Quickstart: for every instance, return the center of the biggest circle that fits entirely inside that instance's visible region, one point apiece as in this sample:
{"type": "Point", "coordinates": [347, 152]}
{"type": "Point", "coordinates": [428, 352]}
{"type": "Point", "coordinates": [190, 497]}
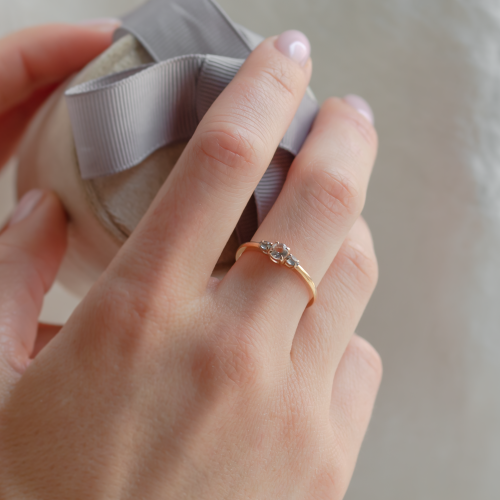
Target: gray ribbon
{"type": "Point", "coordinates": [120, 119]}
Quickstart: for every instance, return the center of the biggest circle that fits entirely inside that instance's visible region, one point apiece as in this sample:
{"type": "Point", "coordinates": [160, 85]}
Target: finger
{"type": "Point", "coordinates": [36, 57]}
{"type": "Point", "coordinates": [326, 328]}
{"type": "Point", "coordinates": [14, 122]}
{"type": "Point", "coordinates": [45, 334]}
{"type": "Point", "coordinates": [352, 399]}
{"type": "Point", "coordinates": [197, 209]}
{"type": "Point", "coordinates": [322, 197]}
{"type": "Point", "coordinates": [31, 250]}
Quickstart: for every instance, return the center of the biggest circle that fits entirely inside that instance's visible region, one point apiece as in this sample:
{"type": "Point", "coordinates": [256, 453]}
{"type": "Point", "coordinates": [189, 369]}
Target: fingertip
{"type": "Point", "coordinates": [278, 53]}
{"type": "Point", "coordinates": [295, 45]}
{"type": "Point", "coordinates": [88, 37]}
{"type": "Point", "coordinates": [98, 32]}
{"type": "Point", "coordinates": [26, 205]}
{"type": "Point", "coordinates": [361, 106]}
{"type": "Point", "coordinates": [43, 203]}
{"type": "Point", "coordinates": [54, 206]}
{"type": "Point", "coordinates": [102, 25]}
{"type": "Point", "coordinates": [38, 226]}
{"type": "Point", "coordinates": [43, 55]}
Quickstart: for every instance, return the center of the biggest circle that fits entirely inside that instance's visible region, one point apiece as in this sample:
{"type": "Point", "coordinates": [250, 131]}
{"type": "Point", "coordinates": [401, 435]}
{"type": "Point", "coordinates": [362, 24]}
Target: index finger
{"type": "Point", "coordinates": [36, 57]}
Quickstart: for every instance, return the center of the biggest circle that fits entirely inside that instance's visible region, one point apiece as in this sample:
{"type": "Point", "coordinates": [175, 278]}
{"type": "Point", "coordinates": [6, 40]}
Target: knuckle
{"type": "Point", "coordinates": [359, 265]}
{"type": "Point", "coordinates": [280, 78]}
{"type": "Point", "coordinates": [363, 128]}
{"type": "Point", "coordinates": [234, 143]}
{"type": "Point", "coordinates": [333, 195]}
{"type": "Point", "coordinates": [228, 151]}
{"type": "Point", "coordinates": [139, 271]}
{"type": "Point", "coordinates": [331, 482]}
{"type": "Point", "coordinates": [367, 356]}
{"type": "Point", "coordinates": [358, 130]}
{"type": "Point", "coordinates": [228, 365]}
{"type": "Point", "coordinates": [109, 306]}
{"type": "Point", "coordinates": [298, 412]}
{"type": "Point", "coordinates": [119, 307]}
{"type": "Point", "coordinates": [333, 472]}
{"type": "Point", "coordinates": [265, 94]}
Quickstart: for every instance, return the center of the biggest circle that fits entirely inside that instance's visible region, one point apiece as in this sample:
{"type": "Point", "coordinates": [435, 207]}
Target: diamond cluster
{"type": "Point", "coordinates": [279, 253]}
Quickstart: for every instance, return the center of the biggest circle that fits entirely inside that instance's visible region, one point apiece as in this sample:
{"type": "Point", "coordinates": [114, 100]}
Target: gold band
{"type": "Point", "coordinates": [279, 253]}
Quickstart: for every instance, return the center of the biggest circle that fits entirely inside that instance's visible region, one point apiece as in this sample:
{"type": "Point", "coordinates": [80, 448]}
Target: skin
{"type": "Point", "coordinates": [165, 382]}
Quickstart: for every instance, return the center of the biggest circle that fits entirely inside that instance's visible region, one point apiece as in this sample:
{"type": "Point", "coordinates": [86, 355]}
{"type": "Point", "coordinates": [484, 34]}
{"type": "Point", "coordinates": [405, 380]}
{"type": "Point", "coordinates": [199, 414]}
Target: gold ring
{"type": "Point", "coordinates": [279, 253]}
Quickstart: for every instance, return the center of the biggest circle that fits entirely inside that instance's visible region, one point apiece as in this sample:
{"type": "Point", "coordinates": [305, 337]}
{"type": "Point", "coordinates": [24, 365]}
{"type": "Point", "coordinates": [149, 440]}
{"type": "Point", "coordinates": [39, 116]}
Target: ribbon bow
{"type": "Point", "coordinates": [120, 119]}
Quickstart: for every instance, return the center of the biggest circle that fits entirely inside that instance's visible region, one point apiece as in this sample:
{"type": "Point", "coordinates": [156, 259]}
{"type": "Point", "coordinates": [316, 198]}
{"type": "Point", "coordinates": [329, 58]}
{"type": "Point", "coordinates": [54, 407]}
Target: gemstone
{"type": "Point", "coordinates": [265, 246]}
{"type": "Point", "coordinates": [292, 261]}
{"type": "Point", "coordinates": [279, 252]}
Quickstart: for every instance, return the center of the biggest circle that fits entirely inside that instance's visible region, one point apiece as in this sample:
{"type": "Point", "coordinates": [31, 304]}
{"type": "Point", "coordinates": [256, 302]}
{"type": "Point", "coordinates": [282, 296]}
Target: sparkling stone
{"type": "Point", "coordinates": [266, 246]}
{"type": "Point", "coordinates": [279, 252]}
{"type": "Point", "coordinates": [292, 261]}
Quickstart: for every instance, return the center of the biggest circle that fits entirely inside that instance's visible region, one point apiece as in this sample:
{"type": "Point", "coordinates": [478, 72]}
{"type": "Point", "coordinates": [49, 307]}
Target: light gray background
{"type": "Point", "coordinates": [431, 70]}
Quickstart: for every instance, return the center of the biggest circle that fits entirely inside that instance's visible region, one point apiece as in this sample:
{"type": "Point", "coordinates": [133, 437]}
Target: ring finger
{"type": "Point", "coordinates": [322, 198]}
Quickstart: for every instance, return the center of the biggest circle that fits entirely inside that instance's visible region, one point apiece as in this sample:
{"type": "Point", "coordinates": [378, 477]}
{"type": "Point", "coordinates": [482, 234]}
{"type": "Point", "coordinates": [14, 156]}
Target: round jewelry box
{"type": "Point", "coordinates": [102, 211]}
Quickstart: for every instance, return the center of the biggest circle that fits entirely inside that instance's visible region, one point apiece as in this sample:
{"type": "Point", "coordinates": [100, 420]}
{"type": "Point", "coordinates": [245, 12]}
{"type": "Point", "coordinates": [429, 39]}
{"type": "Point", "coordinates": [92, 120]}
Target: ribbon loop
{"type": "Point", "coordinates": [171, 28]}
{"type": "Point", "coordinates": [121, 119]}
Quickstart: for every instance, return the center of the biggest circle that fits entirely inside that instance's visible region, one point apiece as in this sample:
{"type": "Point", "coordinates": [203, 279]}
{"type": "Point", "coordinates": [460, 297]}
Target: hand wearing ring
{"type": "Point", "coordinates": [169, 383]}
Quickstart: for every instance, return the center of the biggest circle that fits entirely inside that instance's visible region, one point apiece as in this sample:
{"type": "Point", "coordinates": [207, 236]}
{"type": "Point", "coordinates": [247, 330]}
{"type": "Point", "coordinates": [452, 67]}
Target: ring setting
{"type": "Point", "coordinates": [279, 253]}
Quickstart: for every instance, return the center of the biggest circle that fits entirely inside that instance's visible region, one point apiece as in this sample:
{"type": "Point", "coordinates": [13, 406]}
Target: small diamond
{"type": "Point", "coordinates": [265, 246]}
{"type": "Point", "coordinates": [279, 252]}
{"type": "Point", "coordinates": [292, 261]}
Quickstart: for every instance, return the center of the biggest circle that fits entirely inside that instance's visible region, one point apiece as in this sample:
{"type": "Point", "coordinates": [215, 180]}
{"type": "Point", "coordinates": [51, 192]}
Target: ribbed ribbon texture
{"type": "Point", "coordinates": [120, 119]}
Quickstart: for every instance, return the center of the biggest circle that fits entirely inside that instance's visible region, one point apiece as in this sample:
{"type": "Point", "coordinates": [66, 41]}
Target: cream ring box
{"type": "Point", "coordinates": [106, 141]}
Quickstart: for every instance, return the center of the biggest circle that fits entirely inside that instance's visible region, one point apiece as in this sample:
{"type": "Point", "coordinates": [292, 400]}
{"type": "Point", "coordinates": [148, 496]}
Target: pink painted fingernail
{"type": "Point", "coordinates": [27, 204]}
{"type": "Point", "coordinates": [104, 24]}
{"type": "Point", "coordinates": [361, 106]}
{"type": "Point", "coordinates": [295, 45]}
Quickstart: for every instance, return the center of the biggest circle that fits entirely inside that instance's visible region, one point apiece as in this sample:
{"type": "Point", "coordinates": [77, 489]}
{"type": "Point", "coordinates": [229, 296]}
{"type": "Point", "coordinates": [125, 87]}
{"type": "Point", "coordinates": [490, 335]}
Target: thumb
{"type": "Point", "coordinates": [31, 250]}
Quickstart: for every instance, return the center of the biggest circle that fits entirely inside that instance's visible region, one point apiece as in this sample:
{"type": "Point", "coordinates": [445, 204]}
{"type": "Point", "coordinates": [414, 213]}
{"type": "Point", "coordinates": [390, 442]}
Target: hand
{"type": "Point", "coordinates": [33, 62]}
{"type": "Point", "coordinates": [167, 383]}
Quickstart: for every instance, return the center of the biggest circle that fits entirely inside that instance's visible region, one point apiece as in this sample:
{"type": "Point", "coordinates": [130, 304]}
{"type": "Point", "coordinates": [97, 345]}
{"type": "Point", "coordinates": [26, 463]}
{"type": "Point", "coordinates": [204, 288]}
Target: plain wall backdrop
{"type": "Point", "coordinates": [431, 70]}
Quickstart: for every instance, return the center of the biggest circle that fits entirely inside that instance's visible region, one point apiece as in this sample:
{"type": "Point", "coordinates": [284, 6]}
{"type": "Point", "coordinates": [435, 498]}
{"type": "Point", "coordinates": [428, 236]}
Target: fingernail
{"type": "Point", "coordinates": [27, 204]}
{"type": "Point", "coordinates": [295, 45]}
{"type": "Point", "coordinates": [105, 24]}
{"type": "Point", "coordinates": [361, 106]}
